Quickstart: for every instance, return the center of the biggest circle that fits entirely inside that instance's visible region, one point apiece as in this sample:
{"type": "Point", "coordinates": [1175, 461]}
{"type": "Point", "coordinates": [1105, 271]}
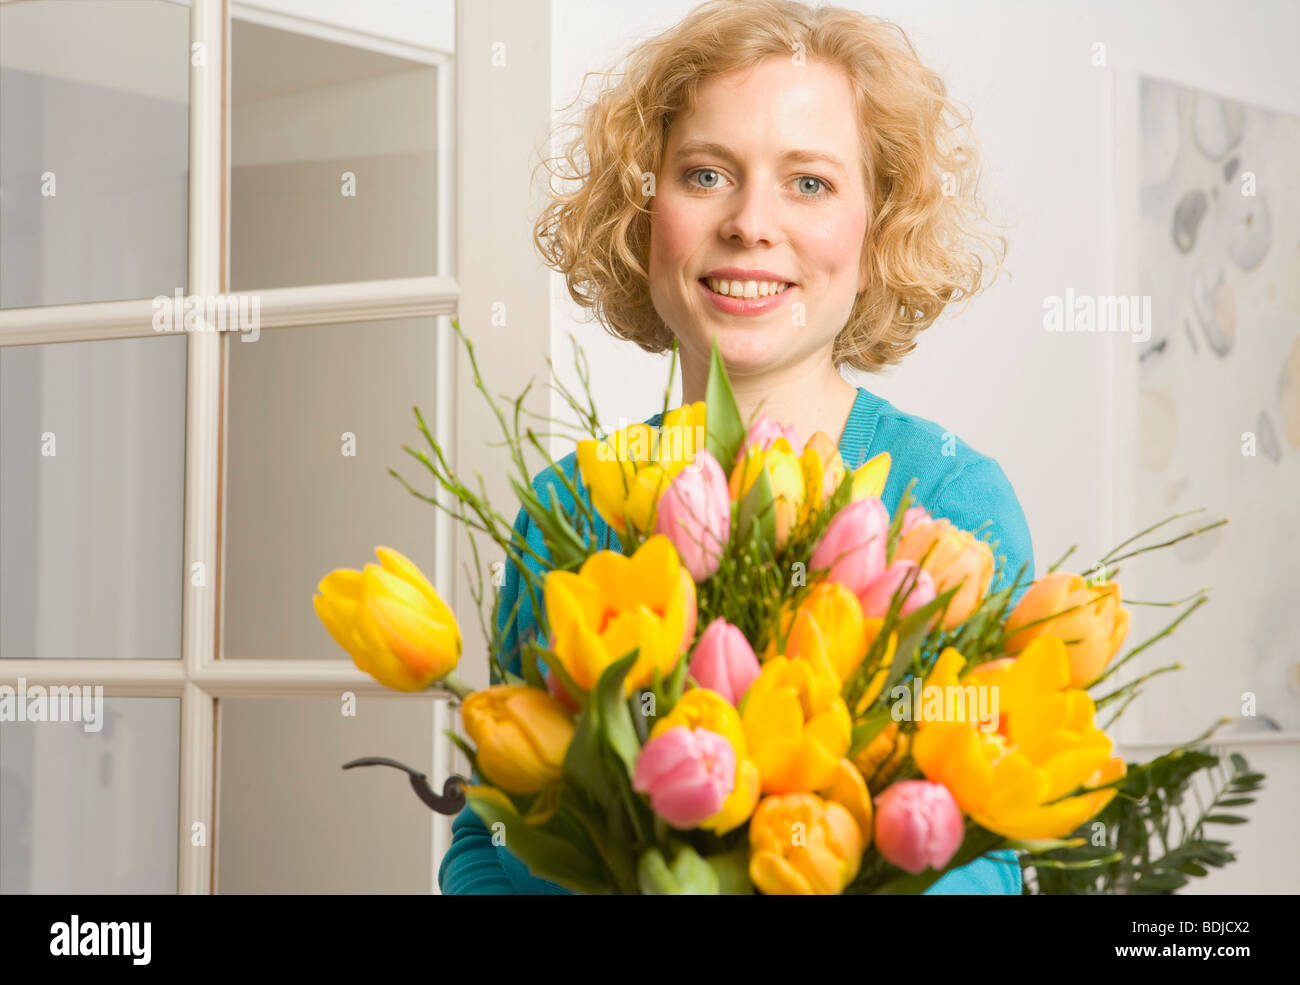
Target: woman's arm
{"type": "Point", "coordinates": [473, 865]}
{"type": "Point", "coordinates": [980, 494]}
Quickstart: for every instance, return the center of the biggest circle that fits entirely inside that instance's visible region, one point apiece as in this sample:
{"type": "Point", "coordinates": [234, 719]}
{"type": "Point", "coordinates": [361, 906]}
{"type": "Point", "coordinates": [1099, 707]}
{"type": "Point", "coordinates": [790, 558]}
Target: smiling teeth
{"type": "Point", "coordinates": [745, 288]}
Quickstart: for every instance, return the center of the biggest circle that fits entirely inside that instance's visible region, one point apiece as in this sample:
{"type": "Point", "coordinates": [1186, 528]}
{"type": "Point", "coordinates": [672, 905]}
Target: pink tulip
{"type": "Point", "coordinates": [853, 547]}
{"type": "Point", "coordinates": [764, 432]}
{"type": "Point", "coordinates": [875, 600]}
{"type": "Point", "coordinates": [688, 773]}
{"type": "Point", "coordinates": [918, 825]}
{"type": "Point", "coordinates": [914, 515]}
{"type": "Point", "coordinates": [723, 661]}
{"type": "Point", "coordinates": [694, 512]}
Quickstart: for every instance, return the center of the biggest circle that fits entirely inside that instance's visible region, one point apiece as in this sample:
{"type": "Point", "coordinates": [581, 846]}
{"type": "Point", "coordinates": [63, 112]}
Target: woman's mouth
{"type": "Point", "coordinates": [749, 297]}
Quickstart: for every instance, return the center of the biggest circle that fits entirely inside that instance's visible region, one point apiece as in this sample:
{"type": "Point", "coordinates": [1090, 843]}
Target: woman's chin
{"type": "Point", "coordinates": [749, 350]}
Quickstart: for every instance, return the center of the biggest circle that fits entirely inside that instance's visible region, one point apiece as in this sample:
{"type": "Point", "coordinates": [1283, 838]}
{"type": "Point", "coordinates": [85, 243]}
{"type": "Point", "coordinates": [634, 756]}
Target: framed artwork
{"type": "Point", "coordinates": [1206, 410]}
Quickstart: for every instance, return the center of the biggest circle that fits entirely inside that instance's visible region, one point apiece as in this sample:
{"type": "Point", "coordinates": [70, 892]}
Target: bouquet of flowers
{"type": "Point", "coordinates": [772, 685]}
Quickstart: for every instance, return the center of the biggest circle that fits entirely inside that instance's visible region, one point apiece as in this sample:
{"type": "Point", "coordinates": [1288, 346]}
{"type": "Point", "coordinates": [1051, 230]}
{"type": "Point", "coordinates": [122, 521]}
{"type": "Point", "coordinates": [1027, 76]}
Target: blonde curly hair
{"type": "Point", "coordinates": [920, 176]}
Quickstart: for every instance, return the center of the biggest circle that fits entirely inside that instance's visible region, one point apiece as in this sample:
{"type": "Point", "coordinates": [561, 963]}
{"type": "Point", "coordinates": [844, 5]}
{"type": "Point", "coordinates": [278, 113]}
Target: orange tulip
{"type": "Point", "coordinates": [957, 558]}
{"type": "Point", "coordinates": [1092, 633]}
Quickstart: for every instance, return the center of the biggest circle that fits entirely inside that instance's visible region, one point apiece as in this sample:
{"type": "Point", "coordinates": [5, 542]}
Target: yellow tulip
{"type": "Point", "coordinates": [1093, 633]}
{"type": "Point", "coordinates": [521, 735]}
{"type": "Point", "coordinates": [869, 478]}
{"type": "Point", "coordinates": [615, 604]}
{"type": "Point", "coordinates": [823, 470]}
{"type": "Point", "coordinates": [785, 474]}
{"type": "Point", "coordinates": [627, 472]}
{"type": "Point", "coordinates": [391, 621]}
{"type": "Point", "coordinates": [1046, 746]}
{"type": "Point", "coordinates": [796, 723]}
{"type": "Point", "coordinates": [848, 789]}
{"type": "Point", "coordinates": [681, 434]}
{"type": "Point", "coordinates": [828, 618]}
{"type": "Point", "coordinates": [958, 557]}
{"type": "Point", "coordinates": [701, 708]}
{"type": "Point", "coordinates": [882, 757]}
{"type": "Point", "coordinates": [803, 845]}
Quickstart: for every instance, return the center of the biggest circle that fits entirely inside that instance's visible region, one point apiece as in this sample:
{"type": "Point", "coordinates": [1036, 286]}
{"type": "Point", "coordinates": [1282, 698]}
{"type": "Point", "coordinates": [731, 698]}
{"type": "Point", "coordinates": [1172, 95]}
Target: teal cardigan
{"type": "Point", "coordinates": [953, 481]}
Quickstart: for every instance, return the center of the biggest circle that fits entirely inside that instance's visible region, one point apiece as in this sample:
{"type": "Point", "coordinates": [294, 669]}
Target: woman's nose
{"type": "Point", "coordinates": [753, 216]}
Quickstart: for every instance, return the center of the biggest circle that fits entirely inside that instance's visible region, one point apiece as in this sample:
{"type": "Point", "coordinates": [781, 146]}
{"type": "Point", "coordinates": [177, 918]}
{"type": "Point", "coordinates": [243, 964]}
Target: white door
{"type": "Point", "coordinates": [169, 499]}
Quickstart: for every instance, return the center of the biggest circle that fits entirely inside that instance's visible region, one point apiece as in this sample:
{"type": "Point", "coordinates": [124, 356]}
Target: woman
{"type": "Point", "coordinates": [781, 180]}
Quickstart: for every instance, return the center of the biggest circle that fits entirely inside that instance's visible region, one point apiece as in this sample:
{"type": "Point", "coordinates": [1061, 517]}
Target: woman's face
{"type": "Point", "coordinates": [777, 196]}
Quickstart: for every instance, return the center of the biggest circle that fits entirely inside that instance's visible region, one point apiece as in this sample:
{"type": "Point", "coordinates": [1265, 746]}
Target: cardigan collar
{"type": "Point", "coordinates": [860, 428]}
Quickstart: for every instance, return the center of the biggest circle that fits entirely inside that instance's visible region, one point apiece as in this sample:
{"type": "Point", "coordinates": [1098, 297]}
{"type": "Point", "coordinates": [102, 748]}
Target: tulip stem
{"type": "Point", "coordinates": [450, 682]}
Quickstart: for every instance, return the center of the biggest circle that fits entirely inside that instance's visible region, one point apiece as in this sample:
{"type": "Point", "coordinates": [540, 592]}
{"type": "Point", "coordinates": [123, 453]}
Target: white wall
{"type": "Point", "coordinates": [1038, 403]}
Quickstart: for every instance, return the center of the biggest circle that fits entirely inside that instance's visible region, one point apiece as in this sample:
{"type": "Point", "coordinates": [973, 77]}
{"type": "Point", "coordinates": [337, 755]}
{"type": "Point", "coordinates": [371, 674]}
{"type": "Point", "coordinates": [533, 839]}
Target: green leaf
{"type": "Point", "coordinates": [653, 877]}
{"type": "Point", "coordinates": [1224, 819]}
{"type": "Point", "coordinates": [842, 495]}
{"type": "Point", "coordinates": [896, 521]}
{"type": "Point", "coordinates": [639, 721]}
{"type": "Point", "coordinates": [732, 869]}
{"type": "Point", "coordinates": [676, 684]}
{"type": "Point", "coordinates": [1051, 845]}
{"type": "Point", "coordinates": [532, 675]}
{"type": "Point", "coordinates": [870, 727]}
{"type": "Point", "coordinates": [756, 515]}
{"type": "Point", "coordinates": [600, 760]}
{"type": "Point", "coordinates": [587, 761]}
{"type": "Point", "coordinates": [607, 832]}
{"type": "Point", "coordinates": [694, 875]}
{"type": "Point", "coordinates": [614, 717]}
{"type": "Point", "coordinates": [556, 666]}
{"type": "Point", "coordinates": [1159, 882]}
{"type": "Point", "coordinates": [688, 875]}
{"type": "Point", "coordinates": [726, 429]}
{"type": "Point", "coordinates": [464, 747]}
{"type": "Point", "coordinates": [546, 855]}
{"type": "Point", "coordinates": [566, 548]}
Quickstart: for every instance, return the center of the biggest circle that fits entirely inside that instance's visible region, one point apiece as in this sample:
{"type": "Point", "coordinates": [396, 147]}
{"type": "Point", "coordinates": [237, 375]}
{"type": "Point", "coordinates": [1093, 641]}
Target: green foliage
{"type": "Point", "coordinates": [1143, 842]}
{"type": "Point", "coordinates": [725, 430]}
{"type": "Point", "coordinates": [599, 766]}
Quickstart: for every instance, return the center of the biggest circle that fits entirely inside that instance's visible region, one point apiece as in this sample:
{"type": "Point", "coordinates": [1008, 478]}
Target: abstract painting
{"type": "Point", "coordinates": [1218, 415]}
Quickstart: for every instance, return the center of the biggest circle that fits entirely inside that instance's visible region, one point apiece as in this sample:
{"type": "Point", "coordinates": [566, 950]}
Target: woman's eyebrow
{"type": "Point", "coordinates": [711, 148]}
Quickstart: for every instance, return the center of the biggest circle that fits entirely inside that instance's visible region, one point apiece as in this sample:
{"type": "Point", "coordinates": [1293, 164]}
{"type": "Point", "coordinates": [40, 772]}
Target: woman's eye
{"type": "Point", "coordinates": [817, 191]}
{"type": "Point", "coordinates": [702, 172]}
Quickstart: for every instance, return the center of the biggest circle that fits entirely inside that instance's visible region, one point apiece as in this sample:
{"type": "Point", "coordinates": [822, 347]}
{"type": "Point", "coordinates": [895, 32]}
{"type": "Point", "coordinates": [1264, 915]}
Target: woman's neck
{"type": "Point", "coordinates": [809, 398]}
